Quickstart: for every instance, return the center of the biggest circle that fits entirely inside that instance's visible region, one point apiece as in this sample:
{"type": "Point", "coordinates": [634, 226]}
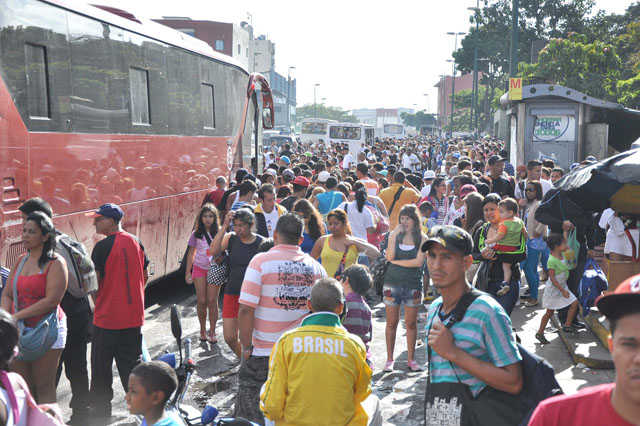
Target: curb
{"type": "Point", "coordinates": [601, 359]}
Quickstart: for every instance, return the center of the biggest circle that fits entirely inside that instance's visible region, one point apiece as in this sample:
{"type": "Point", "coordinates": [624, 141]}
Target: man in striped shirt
{"type": "Point", "coordinates": [273, 299]}
{"type": "Point", "coordinates": [480, 349]}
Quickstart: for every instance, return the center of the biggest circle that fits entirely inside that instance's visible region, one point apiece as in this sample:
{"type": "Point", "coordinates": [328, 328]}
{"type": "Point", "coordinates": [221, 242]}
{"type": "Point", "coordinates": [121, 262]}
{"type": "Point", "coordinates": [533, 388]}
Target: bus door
{"type": "Point", "coordinates": [260, 115]}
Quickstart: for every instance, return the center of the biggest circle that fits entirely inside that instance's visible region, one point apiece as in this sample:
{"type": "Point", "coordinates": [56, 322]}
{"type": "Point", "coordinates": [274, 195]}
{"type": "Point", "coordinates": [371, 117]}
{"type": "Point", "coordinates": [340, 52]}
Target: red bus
{"type": "Point", "coordinates": [100, 107]}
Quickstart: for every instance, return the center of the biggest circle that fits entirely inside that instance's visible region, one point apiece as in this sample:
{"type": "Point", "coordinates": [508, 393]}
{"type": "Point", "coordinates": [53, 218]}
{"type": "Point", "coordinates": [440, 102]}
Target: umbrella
{"type": "Point", "coordinates": [613, 182]}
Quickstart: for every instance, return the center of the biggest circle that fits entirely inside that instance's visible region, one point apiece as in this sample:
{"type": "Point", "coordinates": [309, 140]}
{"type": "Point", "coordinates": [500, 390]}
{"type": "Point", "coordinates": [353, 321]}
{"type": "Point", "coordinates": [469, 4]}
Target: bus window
{"type": "Point", "coordinates": [392, 128]}
{"type": "Point", "coordinates": [344, 132]}
{"type": "Point", "coordinates": [310, 128]}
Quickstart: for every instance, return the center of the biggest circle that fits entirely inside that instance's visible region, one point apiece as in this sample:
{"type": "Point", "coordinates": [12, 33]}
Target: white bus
{"type": "Point", "coordinates": [312, 129]}
{"type": "Point", "coordinates": [353, 134]}
{"type": "Point", "coordinates": [395, 130]}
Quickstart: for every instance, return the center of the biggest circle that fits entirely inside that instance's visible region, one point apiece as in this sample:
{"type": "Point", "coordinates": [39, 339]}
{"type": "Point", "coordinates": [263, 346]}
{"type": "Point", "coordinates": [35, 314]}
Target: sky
{"type": "Point", "coordinates": [363, 54]}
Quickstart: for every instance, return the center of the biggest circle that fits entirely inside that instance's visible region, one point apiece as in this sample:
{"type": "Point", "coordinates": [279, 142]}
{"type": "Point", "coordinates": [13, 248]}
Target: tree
{"type": "Point", "coordinates": [592, 68]}
{"type": "Point", "coordinates": [419, 119]}
{"type": "Point", "coordinates": [323, 111]}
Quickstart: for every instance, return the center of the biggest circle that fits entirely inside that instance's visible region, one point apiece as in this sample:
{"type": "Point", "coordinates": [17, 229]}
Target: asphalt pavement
{"type": "Point", "coordinates": [401, 391]}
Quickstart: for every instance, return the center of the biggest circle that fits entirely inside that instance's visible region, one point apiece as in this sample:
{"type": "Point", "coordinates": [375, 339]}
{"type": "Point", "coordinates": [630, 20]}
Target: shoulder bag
{"type": "Point", "coordinates": [395, 199]}
{"type": "Point", "coordinates": [453, 404]}
{"type": "Point", "coordinates": [34, 342]}
{"type": "Point", "coordinates": [340, 270]}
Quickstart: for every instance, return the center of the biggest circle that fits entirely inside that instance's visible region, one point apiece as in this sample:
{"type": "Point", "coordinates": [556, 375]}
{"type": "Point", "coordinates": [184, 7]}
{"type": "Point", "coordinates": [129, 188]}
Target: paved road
{"type": "Point", "coordinates": [401, 391]}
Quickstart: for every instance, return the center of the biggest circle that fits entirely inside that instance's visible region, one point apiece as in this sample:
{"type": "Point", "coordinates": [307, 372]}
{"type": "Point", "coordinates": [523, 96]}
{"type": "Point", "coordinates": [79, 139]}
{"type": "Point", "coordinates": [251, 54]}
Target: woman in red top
{"type": "Point", "coordinates": [41, 285]}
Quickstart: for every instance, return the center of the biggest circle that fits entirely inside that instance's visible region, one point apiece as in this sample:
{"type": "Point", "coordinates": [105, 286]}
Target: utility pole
{"type": "Point", "coordinates": [288, 97]}
{"type": "Point", "coordinates": [453, 85]}
{"type": "Point", "coordinates": [513, 61]}
{"type": "Point", "coordinates": [474, 90]}
{"type": "Point", "coordinates": [315, 105]}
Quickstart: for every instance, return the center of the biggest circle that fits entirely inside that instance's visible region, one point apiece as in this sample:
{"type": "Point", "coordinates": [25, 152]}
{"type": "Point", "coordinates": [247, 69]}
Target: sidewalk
{"type": "Point", "coordinates": [402, 392]}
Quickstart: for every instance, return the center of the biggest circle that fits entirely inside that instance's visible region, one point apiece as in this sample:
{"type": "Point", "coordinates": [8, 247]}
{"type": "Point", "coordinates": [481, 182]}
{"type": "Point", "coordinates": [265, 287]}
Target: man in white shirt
{"type": "Point", "coordinates": [268, 211]}
{"type": "Point", "coordinates": [348, 158]}
{"type": "Point", "coordinates": [410, 160]}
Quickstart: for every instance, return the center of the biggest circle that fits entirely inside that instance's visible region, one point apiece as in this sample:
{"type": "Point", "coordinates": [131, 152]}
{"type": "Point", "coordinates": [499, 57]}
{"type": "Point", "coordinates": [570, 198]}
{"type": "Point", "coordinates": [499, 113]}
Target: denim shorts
{"type": "Point", "coordinates": [393, 295]}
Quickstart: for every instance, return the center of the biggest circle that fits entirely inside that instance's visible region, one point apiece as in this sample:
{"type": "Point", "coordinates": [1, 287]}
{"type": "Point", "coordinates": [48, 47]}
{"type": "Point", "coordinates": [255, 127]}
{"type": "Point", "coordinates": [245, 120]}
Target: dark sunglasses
{"type": "Point", "coordinates": [530, 190]}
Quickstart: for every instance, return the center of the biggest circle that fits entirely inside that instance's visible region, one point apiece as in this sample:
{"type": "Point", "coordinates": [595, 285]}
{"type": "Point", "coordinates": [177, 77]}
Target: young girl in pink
{"type": "Point", "coordinates": [198, 261]}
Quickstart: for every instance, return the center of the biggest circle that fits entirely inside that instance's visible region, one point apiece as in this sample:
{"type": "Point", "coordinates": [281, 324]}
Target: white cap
{"type": "Point", "coordinates": [323, 176]}
{"type": "Point", "coordinates": [429, 174]}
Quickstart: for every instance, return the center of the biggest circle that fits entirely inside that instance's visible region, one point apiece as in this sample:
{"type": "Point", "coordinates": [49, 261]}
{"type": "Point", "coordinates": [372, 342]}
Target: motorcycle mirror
{"type": "Point", "coordinates": [176, 324]}
{"type": "Point", "coordinates": [209, 414]}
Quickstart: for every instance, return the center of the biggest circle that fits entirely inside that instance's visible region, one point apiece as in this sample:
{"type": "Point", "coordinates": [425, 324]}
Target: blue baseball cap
{"type": "Point", "coordinates": [109, 210]}
{"type": "Point", "coordinates": [285, 159]}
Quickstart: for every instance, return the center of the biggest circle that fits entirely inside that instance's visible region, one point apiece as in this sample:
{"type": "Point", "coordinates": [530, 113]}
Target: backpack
{"type": "Point", "coordinates": [538, 377]}
{"type": "Point", "coordinates": [592, 284]}
{"type": "Point", "coordinates": [82, 273]}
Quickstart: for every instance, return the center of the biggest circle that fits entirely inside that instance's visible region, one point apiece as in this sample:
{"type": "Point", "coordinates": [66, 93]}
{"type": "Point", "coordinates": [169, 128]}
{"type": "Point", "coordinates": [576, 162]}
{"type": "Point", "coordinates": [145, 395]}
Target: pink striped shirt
{"type": "Point", "coordinates": [278, 284]}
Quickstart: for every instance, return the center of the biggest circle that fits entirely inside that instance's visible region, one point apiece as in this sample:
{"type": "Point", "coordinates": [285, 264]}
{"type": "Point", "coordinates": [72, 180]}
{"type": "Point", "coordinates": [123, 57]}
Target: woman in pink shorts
{"type": "Point", "coordinates": [198, 261]}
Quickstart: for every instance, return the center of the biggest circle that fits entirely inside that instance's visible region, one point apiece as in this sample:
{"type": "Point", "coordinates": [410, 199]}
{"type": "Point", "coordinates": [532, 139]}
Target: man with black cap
{"type": "Point", "coordinates": [615, 403]}
{"type": "Point", "coordinates": [477, 347]}
{"type": "Point", "coordinates": [499, 184]}
{"type": "Point", "coordinates": [121, 266]}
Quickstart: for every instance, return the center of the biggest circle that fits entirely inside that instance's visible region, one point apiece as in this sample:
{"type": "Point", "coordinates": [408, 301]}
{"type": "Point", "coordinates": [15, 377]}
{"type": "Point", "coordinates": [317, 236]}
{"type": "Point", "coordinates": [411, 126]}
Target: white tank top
{"type": "Point", "coordinates": [22, 407]}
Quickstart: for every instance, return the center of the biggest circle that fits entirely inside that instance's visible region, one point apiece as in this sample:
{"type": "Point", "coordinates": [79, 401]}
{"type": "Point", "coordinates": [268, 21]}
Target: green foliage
{"type": "Point", "coordinates": [591, 68]}
{"type": "Point", "coordinates": [419, 119]}
{"type": "Point", "coordinates": [323, 111]}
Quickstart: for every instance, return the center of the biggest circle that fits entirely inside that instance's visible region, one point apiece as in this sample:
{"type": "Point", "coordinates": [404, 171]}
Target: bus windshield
{"type": "Point", "coordinates": [392, 128]}
{"type": "Point", "coordinates": [344, 132]}
{"type": "Point", "coordinates": [310, 128]}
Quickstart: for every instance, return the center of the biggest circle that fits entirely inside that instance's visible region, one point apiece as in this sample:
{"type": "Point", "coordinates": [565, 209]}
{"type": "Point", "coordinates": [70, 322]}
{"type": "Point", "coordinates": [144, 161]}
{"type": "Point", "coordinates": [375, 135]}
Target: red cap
{"type": "Point", "coordinates": [627, 292]}
{"type": "Point", "coordinates": [301, 180]}
{"type": "Point", "coordinates": [467, 189]}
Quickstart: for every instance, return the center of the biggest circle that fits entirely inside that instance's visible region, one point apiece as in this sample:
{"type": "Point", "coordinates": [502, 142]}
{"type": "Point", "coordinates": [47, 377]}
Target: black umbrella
{"type": "Point", "coordinates": [613, 182]}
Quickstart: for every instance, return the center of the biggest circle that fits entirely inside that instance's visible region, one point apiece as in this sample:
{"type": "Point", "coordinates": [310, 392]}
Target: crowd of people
{"type": "Point", "coordinates": [290, 249]}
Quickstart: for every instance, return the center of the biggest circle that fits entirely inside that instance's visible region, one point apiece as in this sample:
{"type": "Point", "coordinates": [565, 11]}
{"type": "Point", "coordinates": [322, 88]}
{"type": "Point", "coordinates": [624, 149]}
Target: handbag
{"type": "Point", "coordinates": [36, 341]}
{"type": "Point", "coordinates": [571, 255]}
{"type": "Point", "coordinates": [37, 415]}
{"type": "Point", "coordinates": [481, 279]}
{"type": "Point", "coordinates": [379, 267]}
{"type": "Point", "coordinates": [218, 271]}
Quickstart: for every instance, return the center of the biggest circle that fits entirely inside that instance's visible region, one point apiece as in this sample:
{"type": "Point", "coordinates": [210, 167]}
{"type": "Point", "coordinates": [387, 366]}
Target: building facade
{"type": "Point", "coordinates": [445, 86]}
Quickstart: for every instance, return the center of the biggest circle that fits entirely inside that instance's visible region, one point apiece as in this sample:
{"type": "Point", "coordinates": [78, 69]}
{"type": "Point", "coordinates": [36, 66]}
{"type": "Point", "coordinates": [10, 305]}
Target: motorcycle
{"type": "Point", "coordinates": [185, 414]}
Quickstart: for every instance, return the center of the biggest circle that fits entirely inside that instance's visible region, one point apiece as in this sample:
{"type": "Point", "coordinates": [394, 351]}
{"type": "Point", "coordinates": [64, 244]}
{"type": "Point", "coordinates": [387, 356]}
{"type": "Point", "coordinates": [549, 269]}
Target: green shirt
{"type": "Point", "coordinates": [557, 265]}
{"type": "Point", "coordinates": [514, 231]}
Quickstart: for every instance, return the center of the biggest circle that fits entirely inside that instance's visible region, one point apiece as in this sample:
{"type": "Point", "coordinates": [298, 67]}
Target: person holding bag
{"type": "Point", "coordinates": [340, 250]}
{"type": "Point", "coordinates": [198, 264]}
{"type": "Point", "coordinates": [39, 280]}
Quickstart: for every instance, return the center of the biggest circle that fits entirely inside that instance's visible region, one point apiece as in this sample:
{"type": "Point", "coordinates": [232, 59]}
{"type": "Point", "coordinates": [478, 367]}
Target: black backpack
{"type": "Point", "coordinates": [538, 377]}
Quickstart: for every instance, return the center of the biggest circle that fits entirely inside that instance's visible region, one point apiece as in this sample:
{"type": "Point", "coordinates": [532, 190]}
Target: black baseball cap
{"type": "Point", "coordinates": [495, 158]}
{"type": "Point", "coordinates": [451, 237]}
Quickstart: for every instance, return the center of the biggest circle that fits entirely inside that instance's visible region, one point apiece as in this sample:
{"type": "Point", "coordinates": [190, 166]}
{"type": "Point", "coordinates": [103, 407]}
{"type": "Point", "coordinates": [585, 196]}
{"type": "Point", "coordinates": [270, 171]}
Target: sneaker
{"type": "Point", "coordinates": [413, 366]}
{"type": "Point", "coordinates": [388, 366]}
{"type": "Point", "coordinates": [542, 339]}
{"type": "Point", "coordinates": [569, 330]}
{"type": "Point", "coordinates": [504, 289]}
{"type": "Point", "coordinates": [530, 302]}
{"type": "Point", "coordinates": [578, 325]}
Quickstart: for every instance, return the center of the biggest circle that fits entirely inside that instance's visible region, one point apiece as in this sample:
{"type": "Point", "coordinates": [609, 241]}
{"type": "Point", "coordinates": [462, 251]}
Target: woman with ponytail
{"type": "Point", "coordinates": [360, 217]}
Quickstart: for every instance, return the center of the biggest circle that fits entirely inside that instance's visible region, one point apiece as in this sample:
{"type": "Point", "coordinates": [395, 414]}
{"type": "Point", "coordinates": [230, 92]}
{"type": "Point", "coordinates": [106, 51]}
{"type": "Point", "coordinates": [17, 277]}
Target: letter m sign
{"type": "Point", "coordinates": [515, 89]}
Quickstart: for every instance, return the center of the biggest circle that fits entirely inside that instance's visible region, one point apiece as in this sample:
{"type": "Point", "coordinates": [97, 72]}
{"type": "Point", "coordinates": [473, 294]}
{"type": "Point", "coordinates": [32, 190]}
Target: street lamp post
{"type": "Point", "coordinates": [474, 90]}
{"type": "Point", "coordinates": [486, 88]}
{"type": "Point", "coordinates": [453, 84]}
{"type": "Point", "coordinates": [427, 95]}
{"type": "Point", "coordinates": [288, 96]}
{"type": "Point", "coordinates": [315, 105]}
